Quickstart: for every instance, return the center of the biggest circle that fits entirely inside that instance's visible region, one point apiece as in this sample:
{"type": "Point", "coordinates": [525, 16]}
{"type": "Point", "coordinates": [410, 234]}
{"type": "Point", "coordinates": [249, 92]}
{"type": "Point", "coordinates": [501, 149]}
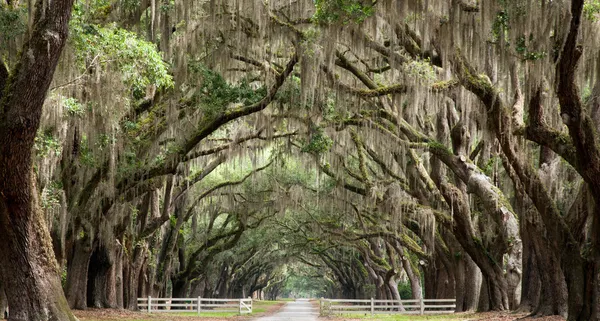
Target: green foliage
{"type": "Point", "coordinates": [46, 144]}
{"type": "Point", "coordinates": [526, 54]}
{"type": "Point", "coordinates": [500, 26]}
{"type": "Point", "coordinates": [86, 155]}
{"type": "Point", "coordinates": [215, 93]}
{"type": "Point", "coordinates": [492, 165]}
{"type": "Point", "coordinates": [305, 281]}
{"type": "Point", "coordinates": [51, 195]}
{"type": "Point", "coordinates": [421, 69]}
{"type": "Point", "coordinates": [290, 92]}
{"type": "Point", "coordinates": [521, 45]}
{"type": "Point", "coordinates": [405, 290]}
{"type": "Point", "coordinates": [12, 23]}
{"type": "Point", "coordinates": [342, 11]}
{"type": "Point", "coordinates": [591, 9]}
{"type": "Point", "coordinates": [586, 93]}
{"type": "Point", "coordinates": [130, 5]}
{"type": "Point", "coordinates": [138, 61]}
{"type": "Point", "coordinates": [73, 107]}
{"type": "Point", "coordinates": [318, 143]}
{"type": "Point", "coordinates": [63, 276]}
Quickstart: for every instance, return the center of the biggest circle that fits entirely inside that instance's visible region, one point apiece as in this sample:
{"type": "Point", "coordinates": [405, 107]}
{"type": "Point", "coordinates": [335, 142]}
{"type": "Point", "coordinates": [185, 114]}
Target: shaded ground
{"type": "Point", "coordinates": [261, 308]}
{"type": "Point", "coordinates": [487, 316]}
{"type": "Point", "coordinates": [270, 308]}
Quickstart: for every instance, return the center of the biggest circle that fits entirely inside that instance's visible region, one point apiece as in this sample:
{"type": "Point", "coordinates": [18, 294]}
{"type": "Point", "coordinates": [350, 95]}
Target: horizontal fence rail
{"type": "Point", "coordinates": [198, 305]}
{"type": "Point", "coordinates": [422, 306]}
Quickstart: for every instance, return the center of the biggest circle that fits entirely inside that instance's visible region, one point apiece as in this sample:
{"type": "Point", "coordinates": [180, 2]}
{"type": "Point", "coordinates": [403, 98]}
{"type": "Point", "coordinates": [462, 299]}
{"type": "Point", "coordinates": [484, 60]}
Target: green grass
{"type": "Point", "coordinates": [287, 300]}
{"type": "Point", "coordinates": [257, 308]}
{"type": "Point", "coordinates": [262, 306]}
{"type": "Point", "coordinates": [208, 314]}
{"type": "Point", "coordinates": [409, 317]}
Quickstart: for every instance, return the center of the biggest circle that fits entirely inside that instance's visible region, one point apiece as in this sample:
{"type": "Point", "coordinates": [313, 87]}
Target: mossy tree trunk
{"type": "Point", "coordinates": [30, 273]}
{"type": "Point", "coordinates": [77, 272]}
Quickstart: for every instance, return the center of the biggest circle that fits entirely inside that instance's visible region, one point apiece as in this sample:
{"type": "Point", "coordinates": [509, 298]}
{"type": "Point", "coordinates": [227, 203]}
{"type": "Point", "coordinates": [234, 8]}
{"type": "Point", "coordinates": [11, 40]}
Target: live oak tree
{"type": "Point", "coordinates": [448, 145]}
{"type": "Point", "coordinates": [30, 273]}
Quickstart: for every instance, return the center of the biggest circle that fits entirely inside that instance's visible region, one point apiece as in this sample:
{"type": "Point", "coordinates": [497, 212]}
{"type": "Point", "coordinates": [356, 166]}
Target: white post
{"type": "Point", "coordinates": [240, 306]}
{"type": "Point", "coordinates": [422, 306]}
{"type": "Point", "coordinates": [321, 306]}
{"type": "Point", "coordinates": [199, 307]}
{"type": "Point", "coordinates": [372, 306]}
{"type": "Point", "coordinates": [251, 303]}
{"type": "Point", "coordinates": [149, 304]}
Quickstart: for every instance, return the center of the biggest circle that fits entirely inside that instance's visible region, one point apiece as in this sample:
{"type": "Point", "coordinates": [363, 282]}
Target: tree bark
{"type": "Point", "coordinates": [531, 284]}
{"type": "Point", "coordinates": [30, 273]}
{"type": "Point", "coordinates": [119, 277]}
{"type": "Point", "coordinates": [131, 277]}
{"type": "Point", "coordinates": [472, 284]}
{"type": "Point", "coordinates": [77, 273]}
{"type": "Point", "coordinates": [101, 288]}
{"type": "Point", "coordinates": [3, 302]}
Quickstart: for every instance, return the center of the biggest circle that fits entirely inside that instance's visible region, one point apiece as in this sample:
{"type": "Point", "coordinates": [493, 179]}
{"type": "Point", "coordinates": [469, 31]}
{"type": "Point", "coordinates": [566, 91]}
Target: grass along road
{"type": "Point", "coordinates": [259, 308]}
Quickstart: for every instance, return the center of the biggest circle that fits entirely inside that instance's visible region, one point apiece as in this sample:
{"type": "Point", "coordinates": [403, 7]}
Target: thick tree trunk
{"type": "Point", "coordinates": [484, 296]}
{"type": "Point", "coordinates": [77, 273]}
{"type": "Point", "coordinates": [473, 280]}
{"type": "Point", "coordinates": [29, 270]}
{"type": "Point", "coordinates": [553, 291]}
{"type": "Point", "coordinates": [494, 290]}
{"type": "Point", "coordinates": [180, 287]}
{"type": "Point", "coordinates": [132, 274]}
{"type": "Point", "coordinates": [29, 273]}
{"type": "Point", "coordinates": [101, 291]}
{"type": "Point", "coordinates": [531, 284]}
{"type": "Point", "coordinates": [3, 302]}
{"type": "Point", "coordinates": [460, 283]}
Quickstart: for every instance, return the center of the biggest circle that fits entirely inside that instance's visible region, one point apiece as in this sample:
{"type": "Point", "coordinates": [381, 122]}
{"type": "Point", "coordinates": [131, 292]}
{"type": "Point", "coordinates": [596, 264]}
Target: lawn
{"type": "Point", "coordinates": [258, 308]}
{"type": "Point", "coordinates": [400, 317]}
{"type": "Point", "coordinates": [487, 316]}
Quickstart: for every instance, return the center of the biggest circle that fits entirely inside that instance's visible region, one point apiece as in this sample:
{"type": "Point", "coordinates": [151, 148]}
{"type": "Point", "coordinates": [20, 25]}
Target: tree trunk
{"type": "Point", "coordinates": [531, 284]}
{"type": "Point", "coordinates": [101, 292]}
{"type": "Point", "coordinates": [3, 302]}
{"type": "Point", "coordinates": [473, 282]}
{"type": "Point", "coordinates": [132, 273]}
{"type": "Point", "coordinates": [119, 277]}
{"type": "Point", "coordinates": [413, 277]}
{"type": "Point", "coordinates": [180, 287]}
{"type": "Point", "coordinates": [29, 273]}
{"type": "Point", "coordinates": [553, 291]}
{"type": "Point", "coordinates": [460, 282]}
{"type": "Point", "coordinates": [77, 273]}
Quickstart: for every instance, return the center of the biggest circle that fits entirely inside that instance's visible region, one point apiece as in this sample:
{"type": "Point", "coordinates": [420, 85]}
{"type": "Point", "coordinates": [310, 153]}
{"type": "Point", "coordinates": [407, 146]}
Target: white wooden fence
{"type": "Point", "coordinates": [422, 306]}
{"type": "Point", "coordinates": [198, 305]}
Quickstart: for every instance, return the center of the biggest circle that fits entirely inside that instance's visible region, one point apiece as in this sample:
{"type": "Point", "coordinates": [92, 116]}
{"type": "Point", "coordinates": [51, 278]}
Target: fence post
{"type": "Point", "coordinates": [240, 306]}
{"type": "Point", "coordinates": [422, 306]}
{"type": "Point", "coordinates": [251, 303]}
{"type": "Point", "coordinates": [199, 307]}
{"type": "Point", "coordinates": [321, 306]}
{"type": "Point", "coordinates": [149, 304]}
{"type": "Point", "coordinates": [372, 306]}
